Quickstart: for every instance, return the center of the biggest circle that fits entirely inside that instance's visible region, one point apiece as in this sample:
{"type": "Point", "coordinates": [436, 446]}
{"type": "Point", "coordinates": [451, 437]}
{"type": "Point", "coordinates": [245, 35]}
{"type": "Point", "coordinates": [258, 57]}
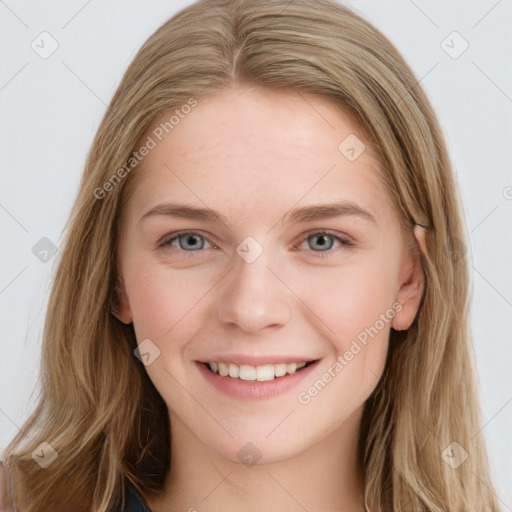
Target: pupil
{"type": "Point", "coordinates": [190, 241]}
{"type": "Point", "coordinates": [323, 241]}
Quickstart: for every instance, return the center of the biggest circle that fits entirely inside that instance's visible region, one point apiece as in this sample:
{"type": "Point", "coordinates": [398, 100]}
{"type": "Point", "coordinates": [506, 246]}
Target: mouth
{"type": "Point", "coordinates": [256, 382]}
{"type": "Point", "coordinates": [260, 373]}
{"type": "Point", "coordinates": [268, 379]}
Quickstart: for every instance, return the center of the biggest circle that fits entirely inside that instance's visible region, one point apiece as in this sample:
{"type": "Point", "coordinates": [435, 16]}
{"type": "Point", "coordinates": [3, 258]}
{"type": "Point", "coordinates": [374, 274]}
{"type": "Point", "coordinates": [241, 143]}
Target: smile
{"type": "Point", "coordinates": [255, 382]}
{"type": "Point", "coordinates": [260, 373]}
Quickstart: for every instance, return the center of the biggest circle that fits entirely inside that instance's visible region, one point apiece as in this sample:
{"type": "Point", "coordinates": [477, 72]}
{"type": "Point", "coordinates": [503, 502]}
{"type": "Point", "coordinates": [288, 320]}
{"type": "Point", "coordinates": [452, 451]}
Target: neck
{"type": "Point", "coordinates": [325, 476]}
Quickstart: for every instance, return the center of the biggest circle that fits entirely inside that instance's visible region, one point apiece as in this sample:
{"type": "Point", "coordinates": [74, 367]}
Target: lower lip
{"type": "Point", "coordinates": [253, 389]}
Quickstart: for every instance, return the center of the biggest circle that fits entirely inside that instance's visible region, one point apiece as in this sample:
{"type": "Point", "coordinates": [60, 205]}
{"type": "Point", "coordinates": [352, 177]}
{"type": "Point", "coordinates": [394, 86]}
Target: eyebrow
{"type": "Point", "coordinates": [303, 214]}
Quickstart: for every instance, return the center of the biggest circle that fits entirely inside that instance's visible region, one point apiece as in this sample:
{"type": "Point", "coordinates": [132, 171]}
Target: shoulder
{"type": "Point", "coordinates": [133, 502]}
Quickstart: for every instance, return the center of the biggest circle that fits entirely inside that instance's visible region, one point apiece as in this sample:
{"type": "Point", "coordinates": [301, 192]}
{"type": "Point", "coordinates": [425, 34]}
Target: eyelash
{"type": "Point", "coordinates": [345, 242]}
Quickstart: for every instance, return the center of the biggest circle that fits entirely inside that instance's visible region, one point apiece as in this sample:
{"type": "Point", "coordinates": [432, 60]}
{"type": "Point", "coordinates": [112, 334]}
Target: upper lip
{"type": "Point", "coordinates": [239, 359]}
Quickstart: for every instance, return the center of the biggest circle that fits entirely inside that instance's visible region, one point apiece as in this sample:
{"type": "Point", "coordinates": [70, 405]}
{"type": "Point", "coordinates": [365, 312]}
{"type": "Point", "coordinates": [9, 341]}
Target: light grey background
{"type": "Point", "coordinates": [51, 108]}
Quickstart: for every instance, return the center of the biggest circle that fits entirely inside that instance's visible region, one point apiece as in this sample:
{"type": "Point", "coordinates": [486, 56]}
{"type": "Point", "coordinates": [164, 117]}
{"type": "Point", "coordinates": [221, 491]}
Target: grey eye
{"type": "Point", "coordinates": [189, 241]}
{"type": "Point", "coordinates": [321, 241]}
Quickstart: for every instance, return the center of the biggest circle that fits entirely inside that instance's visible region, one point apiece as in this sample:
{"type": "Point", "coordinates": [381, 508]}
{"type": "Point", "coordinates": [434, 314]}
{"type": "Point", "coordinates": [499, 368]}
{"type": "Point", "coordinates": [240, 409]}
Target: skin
{"type": "Point", "coordinates": [253, 154]}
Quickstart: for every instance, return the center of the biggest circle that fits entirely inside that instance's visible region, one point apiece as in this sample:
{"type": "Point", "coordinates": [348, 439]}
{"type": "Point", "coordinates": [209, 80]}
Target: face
{"type": "Point", "coordinates": [302, 261]}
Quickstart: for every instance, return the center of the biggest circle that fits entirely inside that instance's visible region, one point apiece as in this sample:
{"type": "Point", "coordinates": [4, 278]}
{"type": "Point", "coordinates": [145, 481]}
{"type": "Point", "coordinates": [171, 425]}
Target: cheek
{"type": "Point", "coordinates": [353, 302]}
{"type": "Point", "coordinates": [354, 316]}
{"type": "Point", "coordinates": [162, 300]}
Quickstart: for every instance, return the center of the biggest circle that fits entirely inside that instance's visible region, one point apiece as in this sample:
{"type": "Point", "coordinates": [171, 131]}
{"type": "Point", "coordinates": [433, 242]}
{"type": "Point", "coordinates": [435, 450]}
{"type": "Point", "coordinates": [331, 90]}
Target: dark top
{"type": "Point", "coordinates": [133, 502]}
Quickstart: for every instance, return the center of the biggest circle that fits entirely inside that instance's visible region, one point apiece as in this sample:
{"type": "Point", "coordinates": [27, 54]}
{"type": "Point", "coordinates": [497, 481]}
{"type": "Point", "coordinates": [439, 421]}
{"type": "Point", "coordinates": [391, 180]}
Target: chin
{"type": "Point", "coordinates": [256, 448]}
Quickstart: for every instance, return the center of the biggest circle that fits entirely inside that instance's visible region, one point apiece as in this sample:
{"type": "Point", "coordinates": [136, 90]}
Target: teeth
{"type": "Point", "coordinates": [259, 373]}
{"type": "Point", "coordinates": [233, 371]}
{"type": "Point", "coordinates": [280, 370]}
{"type": "Point", "coordinates": [265, 372]}
{"type": "Point", "coordinates": [223, 369]}
{"type": "Point", "coordinates": [291, 367]}
{"type": "Point", "coordinates": [247, 372]}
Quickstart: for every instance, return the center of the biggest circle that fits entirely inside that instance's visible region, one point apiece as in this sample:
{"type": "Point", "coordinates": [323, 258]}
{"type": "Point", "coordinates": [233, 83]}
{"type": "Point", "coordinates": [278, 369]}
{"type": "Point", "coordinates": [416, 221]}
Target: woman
{"type": "Point", "coordinates": [260, 304]}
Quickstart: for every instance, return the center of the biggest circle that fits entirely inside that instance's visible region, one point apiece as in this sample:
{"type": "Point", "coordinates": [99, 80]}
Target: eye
{"type": "Point", "coordinates": [188, 241]}
{"type": "Point", "coordinates": [323, 242]}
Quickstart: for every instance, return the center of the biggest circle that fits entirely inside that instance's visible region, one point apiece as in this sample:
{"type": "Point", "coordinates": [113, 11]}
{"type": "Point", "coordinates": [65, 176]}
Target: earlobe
{"type": "Point", "coordinates": [119, 304]}
{"type": "Point", "coordinates": [411, 284]}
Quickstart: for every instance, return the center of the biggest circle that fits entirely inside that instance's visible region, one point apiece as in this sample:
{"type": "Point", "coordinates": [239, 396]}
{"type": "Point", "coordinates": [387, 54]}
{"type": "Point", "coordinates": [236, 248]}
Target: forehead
{"type": "Point", "coordinates": [259, 147]}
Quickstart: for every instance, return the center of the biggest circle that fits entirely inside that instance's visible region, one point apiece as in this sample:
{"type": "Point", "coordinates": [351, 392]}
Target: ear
{"type": "Point", "coordinates": [120, 305]}
{"type": "Point", "coordinates": [411, 284]}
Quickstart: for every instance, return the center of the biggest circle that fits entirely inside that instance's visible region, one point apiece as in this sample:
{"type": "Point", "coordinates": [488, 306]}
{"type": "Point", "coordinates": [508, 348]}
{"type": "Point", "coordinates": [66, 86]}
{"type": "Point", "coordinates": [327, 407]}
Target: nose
{"type": "Point", "coordinates": [253, 297]}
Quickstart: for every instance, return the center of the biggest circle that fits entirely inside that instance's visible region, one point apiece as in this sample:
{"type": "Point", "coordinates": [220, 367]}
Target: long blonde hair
{"type": "Point", "coordinates": [97, 407]}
